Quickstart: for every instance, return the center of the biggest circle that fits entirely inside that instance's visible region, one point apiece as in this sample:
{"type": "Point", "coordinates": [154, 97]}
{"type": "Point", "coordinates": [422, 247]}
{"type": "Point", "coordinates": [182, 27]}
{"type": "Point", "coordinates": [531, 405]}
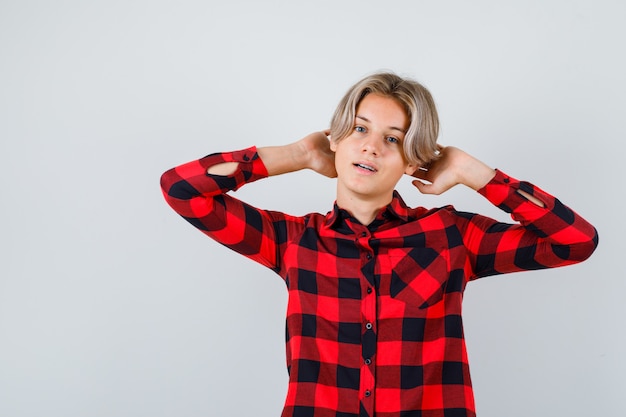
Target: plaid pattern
{"type": "Point", "coordinates": [374, 322]}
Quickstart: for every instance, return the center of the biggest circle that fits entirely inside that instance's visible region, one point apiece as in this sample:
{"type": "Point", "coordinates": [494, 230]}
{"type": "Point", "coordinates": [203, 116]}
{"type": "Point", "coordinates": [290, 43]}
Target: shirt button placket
{"type": "Point", "coordinates": [368, 311]}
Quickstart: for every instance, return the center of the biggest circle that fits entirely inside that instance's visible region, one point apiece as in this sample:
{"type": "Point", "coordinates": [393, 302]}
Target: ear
{"type": "Point", "coordinates": [333, 145]}
{"type": "Point", "coordinates": [410, 169]}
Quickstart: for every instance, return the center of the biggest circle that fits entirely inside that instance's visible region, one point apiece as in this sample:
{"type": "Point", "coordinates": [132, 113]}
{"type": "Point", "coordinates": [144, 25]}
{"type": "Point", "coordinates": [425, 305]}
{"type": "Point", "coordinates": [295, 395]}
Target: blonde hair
{"type": "Point", "coordinates": [420, 140]}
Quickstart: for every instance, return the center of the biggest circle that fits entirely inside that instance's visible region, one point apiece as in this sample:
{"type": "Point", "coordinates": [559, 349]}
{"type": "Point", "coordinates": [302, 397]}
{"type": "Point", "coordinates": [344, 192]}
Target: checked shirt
{"type": "Point", "coordinates": [374, 312]}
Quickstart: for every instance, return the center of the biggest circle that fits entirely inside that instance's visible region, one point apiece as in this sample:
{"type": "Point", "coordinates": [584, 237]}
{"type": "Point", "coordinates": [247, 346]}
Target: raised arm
{"type": "Point", "coordinates": [546, 234]}
{"type": "Point", "coordinates": [453, 167]}
{"type": "Point", "coordinates": [311, 152]}
{"type": "Point", "coordinates": [198, 191]}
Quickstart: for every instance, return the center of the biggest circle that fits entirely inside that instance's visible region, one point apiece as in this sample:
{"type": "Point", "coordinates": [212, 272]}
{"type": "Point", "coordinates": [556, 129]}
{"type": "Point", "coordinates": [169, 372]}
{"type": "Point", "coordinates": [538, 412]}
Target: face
{"type": "Point", "coordinates": [370, 161]}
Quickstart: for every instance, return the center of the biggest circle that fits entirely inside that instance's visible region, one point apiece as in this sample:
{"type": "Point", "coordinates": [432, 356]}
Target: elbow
{"type": "Point", "coordinates": [591, 245]}
{"type": "Point", "coordinates": [167, 180]}
{"type": "Point", "coordinates": [166, 185]}
{"type": "Point", "coordinates": [581, 251]}
{"type": "Point", "coordinates": [176, 188]}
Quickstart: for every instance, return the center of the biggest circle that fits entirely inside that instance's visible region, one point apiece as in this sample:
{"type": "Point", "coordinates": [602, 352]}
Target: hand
{"type": "Point", "coordinates": [453, 167]}
{"type": "Point", "coordinates": [318, 156]}
{"type": "Point", "coordinates": [312, 152]}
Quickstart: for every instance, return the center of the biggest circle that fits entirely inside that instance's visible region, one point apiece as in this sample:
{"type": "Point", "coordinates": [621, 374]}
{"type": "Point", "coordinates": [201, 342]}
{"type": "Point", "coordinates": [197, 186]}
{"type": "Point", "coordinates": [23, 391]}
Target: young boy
{"type": "Point", "coordinates": [375, 287]}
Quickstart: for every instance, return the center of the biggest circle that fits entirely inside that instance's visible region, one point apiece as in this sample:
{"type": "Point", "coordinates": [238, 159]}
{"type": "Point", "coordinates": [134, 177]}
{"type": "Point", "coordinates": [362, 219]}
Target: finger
{"type": "Point", "coordinates": [423, 187]}
{"type": "Point", "coordinates": [429, 188]}
{"type": "Point", "coordinates": [421, 173]}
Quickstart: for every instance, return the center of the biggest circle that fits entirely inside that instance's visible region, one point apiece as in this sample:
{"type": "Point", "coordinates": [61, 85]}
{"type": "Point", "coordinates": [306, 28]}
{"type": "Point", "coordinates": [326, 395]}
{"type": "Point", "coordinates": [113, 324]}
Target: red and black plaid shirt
{"type": "Point", "coordinates": [374, 313]}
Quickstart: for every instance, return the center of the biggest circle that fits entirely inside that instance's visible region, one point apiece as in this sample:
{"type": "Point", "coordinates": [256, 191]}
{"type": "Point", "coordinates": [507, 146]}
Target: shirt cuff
{"type": "Point", "coordinates": [250, 167]}
{"type": "Point", "coordinates": [502, 191]}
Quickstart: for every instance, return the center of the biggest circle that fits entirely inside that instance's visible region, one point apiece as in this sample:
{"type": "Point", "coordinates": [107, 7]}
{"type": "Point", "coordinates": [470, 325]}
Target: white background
{"type": "Point", "coordinates": [111, 305]}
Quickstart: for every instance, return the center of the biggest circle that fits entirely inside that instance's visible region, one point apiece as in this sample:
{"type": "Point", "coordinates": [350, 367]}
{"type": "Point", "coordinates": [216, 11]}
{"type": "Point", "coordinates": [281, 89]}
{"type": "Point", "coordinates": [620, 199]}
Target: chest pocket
{"type": "Point", "coordinates": [417, 276]}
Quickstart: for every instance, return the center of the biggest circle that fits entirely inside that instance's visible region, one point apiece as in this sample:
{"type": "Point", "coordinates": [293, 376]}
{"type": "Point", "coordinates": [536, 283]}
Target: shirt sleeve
{"type": "Point", "coordinates": [201, 199]}
{"type": "Point", "coordinates": [542, 237]}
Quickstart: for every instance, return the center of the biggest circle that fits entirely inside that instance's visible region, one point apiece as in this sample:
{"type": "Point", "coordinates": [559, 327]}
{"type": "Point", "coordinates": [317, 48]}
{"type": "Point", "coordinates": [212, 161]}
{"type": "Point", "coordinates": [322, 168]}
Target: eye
{"type": "Point", "coordinates": [391, 139]}
{"type": "Point", "coordinates": [359, 129]}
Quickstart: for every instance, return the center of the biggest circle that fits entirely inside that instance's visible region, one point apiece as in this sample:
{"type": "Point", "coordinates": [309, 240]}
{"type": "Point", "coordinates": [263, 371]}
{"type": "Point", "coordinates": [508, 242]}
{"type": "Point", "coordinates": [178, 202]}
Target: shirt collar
{"type": "Point", "coordinates": [397, 208]}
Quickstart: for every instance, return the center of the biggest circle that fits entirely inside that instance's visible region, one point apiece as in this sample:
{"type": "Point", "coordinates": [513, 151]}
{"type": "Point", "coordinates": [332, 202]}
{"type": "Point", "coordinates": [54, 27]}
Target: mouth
{"type": "Point", "coordinates": [365, 167]}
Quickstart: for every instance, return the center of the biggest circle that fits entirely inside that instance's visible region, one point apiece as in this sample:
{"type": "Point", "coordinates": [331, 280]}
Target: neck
{"type": "Point", "coordinates": [363, 210]}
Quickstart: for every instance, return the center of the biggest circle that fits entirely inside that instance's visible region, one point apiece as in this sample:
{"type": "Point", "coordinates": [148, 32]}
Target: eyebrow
{"type": "Point", "coordinates": [365, 119]}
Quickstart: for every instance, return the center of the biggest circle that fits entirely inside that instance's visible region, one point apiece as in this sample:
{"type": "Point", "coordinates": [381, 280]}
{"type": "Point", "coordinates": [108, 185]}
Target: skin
{"type": "Point", "coordinates": [376, 142]}
{"type": "Point", "coordinates": [370, 161]}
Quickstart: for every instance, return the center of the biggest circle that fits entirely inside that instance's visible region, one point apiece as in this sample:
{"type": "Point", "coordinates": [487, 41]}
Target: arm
{"type": "Point", "coordinates": [311, 152]}
{"type": "Point", "coordinates": [197, 191]}
{"type": "Point", "coordinates": [457, 167]}
{"type": "Point", "coordinates": [201, 199]}
{"type": "Point", "coordinates": [546, 233]}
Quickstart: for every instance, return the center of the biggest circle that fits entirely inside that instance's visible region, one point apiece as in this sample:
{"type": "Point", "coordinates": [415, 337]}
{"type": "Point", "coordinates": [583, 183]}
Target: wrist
{"type": "Point", "coordinates": [301, 154]}
{"type": "Point", "coordinates": [475, 173]}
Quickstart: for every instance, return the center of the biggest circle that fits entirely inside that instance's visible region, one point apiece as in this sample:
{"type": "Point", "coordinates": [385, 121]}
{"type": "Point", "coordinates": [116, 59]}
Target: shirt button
{"type": "Point", "coordinates": [368, 393]}
{"type": "Point", "coordinates": [368, 256]}
{"type": "Point", "coordinates": [368, 361]}
{"type": "Point", "coordinates": [368, 326]}
{"type": "Point", "coordinates": [363, 234]}
{"type": "Point", "coordinates": [369, 290]}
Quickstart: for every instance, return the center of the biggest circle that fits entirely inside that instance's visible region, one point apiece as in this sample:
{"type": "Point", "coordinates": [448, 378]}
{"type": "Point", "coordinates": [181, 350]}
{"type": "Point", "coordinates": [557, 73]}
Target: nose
{"type": "Point", "coordinates": [371, 145]}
